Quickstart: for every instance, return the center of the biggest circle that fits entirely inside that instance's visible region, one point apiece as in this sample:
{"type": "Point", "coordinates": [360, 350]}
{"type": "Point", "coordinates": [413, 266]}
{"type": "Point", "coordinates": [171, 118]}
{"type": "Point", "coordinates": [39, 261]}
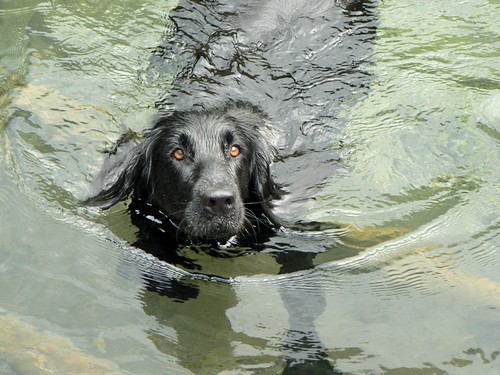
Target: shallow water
{"type": "Point", "coordinates": [401, 275]}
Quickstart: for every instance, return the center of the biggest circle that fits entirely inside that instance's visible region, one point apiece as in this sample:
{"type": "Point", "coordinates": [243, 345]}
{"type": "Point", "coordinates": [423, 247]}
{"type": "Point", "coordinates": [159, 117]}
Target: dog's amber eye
{"type": "Point", "coordinates": [178, 154]}
{"type": "Point", "coordinates": [235, 151]}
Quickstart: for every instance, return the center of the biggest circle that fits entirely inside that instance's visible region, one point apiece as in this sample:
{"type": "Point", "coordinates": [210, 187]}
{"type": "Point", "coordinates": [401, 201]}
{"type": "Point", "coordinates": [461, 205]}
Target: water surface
{"type": "Point", "coordinates": [401, 177]}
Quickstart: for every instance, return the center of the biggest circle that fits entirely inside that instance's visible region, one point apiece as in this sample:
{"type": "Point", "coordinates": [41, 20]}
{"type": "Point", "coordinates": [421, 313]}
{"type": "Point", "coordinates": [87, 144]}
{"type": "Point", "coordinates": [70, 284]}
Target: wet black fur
{"type": "Point", "coordinates": [178, 189]}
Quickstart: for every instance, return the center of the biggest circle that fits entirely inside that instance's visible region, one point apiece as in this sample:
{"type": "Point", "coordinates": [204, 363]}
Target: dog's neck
{"type": "Point", "coordinates": [149, 219]}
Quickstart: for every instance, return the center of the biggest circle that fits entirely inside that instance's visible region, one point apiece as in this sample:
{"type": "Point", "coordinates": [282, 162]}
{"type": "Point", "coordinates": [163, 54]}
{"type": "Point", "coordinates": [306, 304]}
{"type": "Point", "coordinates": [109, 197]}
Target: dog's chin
{"type": "Point", "coordinates": [215, 229]}
{"type": "Point", "coordinates": [206, 227]}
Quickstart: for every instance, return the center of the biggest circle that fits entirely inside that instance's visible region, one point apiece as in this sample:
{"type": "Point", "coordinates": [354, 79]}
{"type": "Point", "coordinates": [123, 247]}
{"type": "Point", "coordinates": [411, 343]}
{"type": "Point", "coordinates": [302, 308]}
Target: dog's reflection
{"type": "Point", "coordinates": [208, 327]}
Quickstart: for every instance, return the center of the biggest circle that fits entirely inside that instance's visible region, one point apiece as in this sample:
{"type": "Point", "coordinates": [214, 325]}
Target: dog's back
{"type": "Point", "coordinates": [301, 61]}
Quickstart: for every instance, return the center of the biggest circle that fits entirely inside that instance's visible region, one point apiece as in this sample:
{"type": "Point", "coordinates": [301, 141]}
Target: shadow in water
{"type": "Point", "coordinates": [303, 349]}
{"type": "Point", "coordinates": [197, 311]}
{"type": "Point", "coordinates": [203, 338]}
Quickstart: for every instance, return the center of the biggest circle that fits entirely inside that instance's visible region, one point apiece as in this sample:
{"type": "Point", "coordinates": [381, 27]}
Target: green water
{"type": "Point", "coordinates": [417, 288]}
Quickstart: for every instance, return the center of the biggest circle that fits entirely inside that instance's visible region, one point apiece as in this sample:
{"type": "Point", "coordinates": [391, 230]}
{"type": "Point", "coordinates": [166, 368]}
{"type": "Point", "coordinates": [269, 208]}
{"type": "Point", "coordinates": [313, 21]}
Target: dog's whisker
{"type": "Point", "coordinates": [249, 227]}
{"type": "Point", "coordinates": [250, 219]}
{"type": "Point", "coordinates": [179, 229]}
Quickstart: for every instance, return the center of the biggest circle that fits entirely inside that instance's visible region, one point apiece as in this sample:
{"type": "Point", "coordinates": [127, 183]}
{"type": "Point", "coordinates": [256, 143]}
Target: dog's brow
{"type": "Point", "coordinates": [183, 139]}
{"type": "Point", "coordinates": [186, 141]}
{"type": "Point", "coordinates": [228, 137]}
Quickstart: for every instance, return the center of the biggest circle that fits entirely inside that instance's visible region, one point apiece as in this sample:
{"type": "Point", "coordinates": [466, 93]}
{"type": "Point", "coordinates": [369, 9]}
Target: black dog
{"type": "Point", "coordinates": [203, 170]}
{"type": "Point", "coordinates": [207, 171]}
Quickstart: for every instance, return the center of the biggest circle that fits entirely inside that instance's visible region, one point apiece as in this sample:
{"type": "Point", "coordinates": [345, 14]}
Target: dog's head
{"type": "Point", "coordinates": [208, 170]}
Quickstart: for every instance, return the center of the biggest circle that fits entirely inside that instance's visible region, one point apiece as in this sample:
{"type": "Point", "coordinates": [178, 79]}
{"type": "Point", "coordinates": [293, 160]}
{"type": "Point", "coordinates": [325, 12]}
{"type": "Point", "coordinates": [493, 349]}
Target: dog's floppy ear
{"type": "Point", "coordinates": [254, 125]}
{"type": "Point", "coordinates": [262, 185]}
{"type": "Point", "coordinates": [116, 179]}
{"type": "Point", "coordinates": [127, 168]}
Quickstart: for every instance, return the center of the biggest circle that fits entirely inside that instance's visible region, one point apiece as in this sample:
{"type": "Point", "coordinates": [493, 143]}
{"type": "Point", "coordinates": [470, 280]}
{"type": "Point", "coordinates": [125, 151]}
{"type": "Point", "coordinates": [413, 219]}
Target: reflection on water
{"type": "Point", "coordinates": [389, 149]}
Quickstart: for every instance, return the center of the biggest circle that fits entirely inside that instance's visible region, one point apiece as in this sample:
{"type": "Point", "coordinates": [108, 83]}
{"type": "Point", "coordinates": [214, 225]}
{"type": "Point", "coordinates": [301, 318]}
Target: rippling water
{"type": "Point", "coordinates": [390, 131]}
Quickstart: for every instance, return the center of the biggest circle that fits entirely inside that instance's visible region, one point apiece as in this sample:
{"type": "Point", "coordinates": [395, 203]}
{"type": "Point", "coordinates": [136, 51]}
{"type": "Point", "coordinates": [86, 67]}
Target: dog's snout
{"type": "Point", "coordinates": [218, 202]}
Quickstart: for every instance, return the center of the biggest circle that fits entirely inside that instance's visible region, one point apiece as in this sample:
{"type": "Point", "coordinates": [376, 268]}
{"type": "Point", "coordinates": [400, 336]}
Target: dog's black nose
{"type": "Point", "coordinates": [218, 202]}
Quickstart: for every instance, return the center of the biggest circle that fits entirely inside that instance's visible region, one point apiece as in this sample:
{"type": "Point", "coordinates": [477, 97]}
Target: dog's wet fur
{"type": "Point", "coordinates": [201, 176]}
{"type": "Point", "coordinates": [206, 170]}
{"type": "Point", "coordinates": [202, 173]}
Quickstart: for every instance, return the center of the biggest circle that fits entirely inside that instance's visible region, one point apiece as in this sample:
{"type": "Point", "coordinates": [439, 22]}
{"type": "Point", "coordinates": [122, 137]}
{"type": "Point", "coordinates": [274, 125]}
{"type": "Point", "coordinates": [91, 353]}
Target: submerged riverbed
{"type": "Point", "coordinates": [404, 277]}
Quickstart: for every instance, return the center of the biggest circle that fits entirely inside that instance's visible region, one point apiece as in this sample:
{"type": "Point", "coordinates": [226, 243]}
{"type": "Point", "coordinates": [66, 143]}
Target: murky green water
{"type": "Point", "coordinates": [412, 288]}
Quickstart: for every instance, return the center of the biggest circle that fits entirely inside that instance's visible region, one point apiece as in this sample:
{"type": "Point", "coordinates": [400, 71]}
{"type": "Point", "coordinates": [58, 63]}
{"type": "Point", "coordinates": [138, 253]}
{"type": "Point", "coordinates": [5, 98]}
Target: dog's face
{"type": "Point", "coordinates": [201, 174]}
{"type": "Point", "coordinates": [208, 171]}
